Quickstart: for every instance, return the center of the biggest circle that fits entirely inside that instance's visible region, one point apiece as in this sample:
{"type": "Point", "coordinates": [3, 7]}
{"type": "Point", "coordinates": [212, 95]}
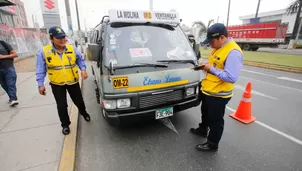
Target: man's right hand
{"type": "Point", "coordinates": [42, 90]}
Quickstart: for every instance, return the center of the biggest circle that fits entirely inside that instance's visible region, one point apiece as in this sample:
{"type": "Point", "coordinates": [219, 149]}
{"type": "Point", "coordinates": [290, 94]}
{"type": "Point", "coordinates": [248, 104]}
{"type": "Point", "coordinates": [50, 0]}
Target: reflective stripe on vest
{"type": "Point", "coordinates": [60, 67]}
{"type": "Point", "coordinates": [220, 94]}
{"type": "Point", "coordinates": [68, 82]}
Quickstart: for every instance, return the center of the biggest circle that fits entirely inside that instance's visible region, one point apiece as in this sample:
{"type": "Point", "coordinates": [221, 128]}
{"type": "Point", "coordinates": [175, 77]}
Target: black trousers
{"type": "Point", "coordinates": [75, 93]}
{"type": "Point", "coordinates": [213, 109]}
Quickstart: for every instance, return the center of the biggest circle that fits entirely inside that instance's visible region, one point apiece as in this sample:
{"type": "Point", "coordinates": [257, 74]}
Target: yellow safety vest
{"type": "Point", "coordinates": [213, 85]}
{"type": "Point", "coordinates": [61, 71]}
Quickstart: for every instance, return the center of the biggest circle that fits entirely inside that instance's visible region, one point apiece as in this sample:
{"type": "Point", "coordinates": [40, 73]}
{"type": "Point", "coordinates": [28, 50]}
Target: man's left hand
{"type": "Point", "coordinates": [1, 56]}
{"type": "Point", "coordinates": [207, 67]}
{"type": "Point", "coordinates": [84, 74]}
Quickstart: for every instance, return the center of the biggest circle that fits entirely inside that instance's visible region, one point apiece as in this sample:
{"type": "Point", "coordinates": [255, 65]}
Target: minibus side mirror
{"type": "Point", "coordinates": [93, 52]}
{"type": "Point", "coordinates": [197, 50]}
{"type": "Point", "coordinates": [191, 39]}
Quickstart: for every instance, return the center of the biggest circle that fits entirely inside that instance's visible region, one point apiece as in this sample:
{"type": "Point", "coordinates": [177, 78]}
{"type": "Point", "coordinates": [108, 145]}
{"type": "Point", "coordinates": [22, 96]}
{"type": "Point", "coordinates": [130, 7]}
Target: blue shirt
{"type": "Point", "coordinates": [232, 66]}
{"type": "Point", "coordinates": [41, 68]}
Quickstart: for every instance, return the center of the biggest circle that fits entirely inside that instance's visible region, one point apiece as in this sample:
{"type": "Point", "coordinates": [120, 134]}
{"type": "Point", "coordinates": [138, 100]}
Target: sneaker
{"type": "Point", "coordinates": [14, 103]}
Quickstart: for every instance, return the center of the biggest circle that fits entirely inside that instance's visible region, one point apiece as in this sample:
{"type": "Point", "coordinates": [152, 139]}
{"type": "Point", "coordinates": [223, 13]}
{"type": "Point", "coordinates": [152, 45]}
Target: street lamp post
{"type": "Point", "coordinates": [257, 10]}
{"type": "Point", "coordinates": [79, 26]}
{"type": "Point", "coordinates": [69, 21]}
{"type": "Point", "coordinates": [227, 23]}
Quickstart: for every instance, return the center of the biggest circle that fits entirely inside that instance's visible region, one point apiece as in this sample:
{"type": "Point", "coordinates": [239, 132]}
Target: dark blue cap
{"type": "Point", "coordinates": [56, 32]}
{"type": "Point", "coordinates": [215, 31]}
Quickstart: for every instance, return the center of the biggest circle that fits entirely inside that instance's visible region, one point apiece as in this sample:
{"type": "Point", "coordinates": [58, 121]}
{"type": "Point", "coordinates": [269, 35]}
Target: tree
{"type": "Point", "coordinates": [295, 7]}
{"type": "Point", "coordinates": [202, 27]}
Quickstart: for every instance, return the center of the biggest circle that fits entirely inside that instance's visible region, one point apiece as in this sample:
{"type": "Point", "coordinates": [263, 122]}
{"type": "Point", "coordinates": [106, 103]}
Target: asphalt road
{"type": "Point", "coordinates": [153, 146]}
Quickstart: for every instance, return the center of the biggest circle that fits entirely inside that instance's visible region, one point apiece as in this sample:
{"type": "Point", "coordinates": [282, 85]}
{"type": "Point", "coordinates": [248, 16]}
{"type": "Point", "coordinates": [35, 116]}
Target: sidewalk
{"type": "Point", "coordinates": [30, 134]}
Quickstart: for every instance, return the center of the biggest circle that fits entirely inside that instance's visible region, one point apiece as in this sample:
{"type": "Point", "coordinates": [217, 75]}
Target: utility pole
{"type": "Point", "coordinates": [69, 21]}
{"type": "Point", "coordinates": [85, 24]}
{"type": "Point", "coordinates": [79, 26]}
{"type": "Point", "coordinates": [32, 16]}
{"type": "Point", "coordinates": [151, 5]}
{"type": "Point", "coordinates": [257, 10]}
{"type": "Point", "coordinates": [86, 34]}
{"type": "Point", "coordinates": [227, 23]}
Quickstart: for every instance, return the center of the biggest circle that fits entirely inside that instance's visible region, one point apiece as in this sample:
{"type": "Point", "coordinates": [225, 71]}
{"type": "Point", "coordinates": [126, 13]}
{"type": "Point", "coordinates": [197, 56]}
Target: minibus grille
{"type": "Point", "coordinates": [160, 99]}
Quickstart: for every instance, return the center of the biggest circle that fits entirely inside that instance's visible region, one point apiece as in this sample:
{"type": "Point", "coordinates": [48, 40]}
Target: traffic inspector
{"type": "Point", "coordinates": [61, 61]}
{"type": "Point", "coordinates": [223, 70]}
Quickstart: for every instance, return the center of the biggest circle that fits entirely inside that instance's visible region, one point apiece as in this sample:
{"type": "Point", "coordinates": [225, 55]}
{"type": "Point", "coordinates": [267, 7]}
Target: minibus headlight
{"type": "Point", "coordinates": [190, 91]}
{"type": "Point", "coordinates": [123, 103]}
{"type": "Point", "coordinates": [109, 104]}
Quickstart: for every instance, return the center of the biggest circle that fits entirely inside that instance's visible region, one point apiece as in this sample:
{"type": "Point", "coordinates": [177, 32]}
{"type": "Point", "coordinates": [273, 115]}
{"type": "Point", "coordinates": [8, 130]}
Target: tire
{"type": "Point", "coordinates": [246, 47]}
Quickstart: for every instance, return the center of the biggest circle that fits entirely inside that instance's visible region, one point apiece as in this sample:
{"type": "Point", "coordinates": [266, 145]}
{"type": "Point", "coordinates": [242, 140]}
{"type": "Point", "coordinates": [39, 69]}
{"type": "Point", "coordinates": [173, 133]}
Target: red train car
{"type": "Point", "coordinates": [253, 36]}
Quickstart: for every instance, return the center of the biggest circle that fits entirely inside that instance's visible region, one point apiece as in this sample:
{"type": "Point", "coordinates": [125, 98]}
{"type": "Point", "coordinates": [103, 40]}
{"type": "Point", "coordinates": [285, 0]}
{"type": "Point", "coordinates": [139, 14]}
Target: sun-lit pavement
{"type": "Point", "coordinates": [271, 143]}
{"type": "Point", "coordinates": [30, 134]}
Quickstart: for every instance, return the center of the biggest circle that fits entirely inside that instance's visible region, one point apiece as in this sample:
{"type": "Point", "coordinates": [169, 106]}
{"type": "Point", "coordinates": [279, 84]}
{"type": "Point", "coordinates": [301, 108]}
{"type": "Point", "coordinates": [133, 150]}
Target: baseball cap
{"type": "Point", "coordinates": [215, 31]}
{"type": "Point", "coordinates": [56, 32]}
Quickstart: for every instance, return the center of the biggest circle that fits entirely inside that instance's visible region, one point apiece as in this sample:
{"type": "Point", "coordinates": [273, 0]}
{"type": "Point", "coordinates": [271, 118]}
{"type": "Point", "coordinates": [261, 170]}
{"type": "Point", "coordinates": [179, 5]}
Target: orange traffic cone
{"type": "Point", "coordinates": [244, 110]}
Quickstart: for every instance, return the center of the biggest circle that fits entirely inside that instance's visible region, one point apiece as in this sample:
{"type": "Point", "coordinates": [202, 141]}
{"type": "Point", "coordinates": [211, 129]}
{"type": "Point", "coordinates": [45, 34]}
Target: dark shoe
{"type": "Point", "coordinates": [207, 147]}
{"type": "Point", "coordinates": [200, 131]}
{"type": "Point", "coordinates": [87, 117]}
{"type": "Point", "coordinates": [66, 130]}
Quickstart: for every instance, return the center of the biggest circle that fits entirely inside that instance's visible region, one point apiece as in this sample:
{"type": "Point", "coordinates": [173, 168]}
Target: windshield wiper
{"type": "Point", "coordinates": [141, 65]}
{"type": "Point", "coordinates": [194, 62]}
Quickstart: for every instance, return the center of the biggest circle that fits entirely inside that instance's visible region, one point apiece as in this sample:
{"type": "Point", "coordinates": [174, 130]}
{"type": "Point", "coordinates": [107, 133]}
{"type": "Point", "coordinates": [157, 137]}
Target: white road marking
{"type": "Point", "coordinates": [254, 72]}
{"type": "Point", "coordinates": [168, 123]}
{"type": "Point", "coordinates": [239, 87]}
{"type": "Point", "coordinates": [290, 79]}
{"type": "Point", "coordinates": [248, 78]}
{"type": "Point", "coordinates": [274, 130]}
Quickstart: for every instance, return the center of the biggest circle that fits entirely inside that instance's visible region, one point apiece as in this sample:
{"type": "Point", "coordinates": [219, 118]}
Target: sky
{"type": "Point", "coordinates": [92, 11]}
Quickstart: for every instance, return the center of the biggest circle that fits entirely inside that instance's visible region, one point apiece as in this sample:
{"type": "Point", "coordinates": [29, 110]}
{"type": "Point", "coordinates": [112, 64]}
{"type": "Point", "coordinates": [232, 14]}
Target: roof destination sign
{"type": "Point", "coordinates": [127, 14]}
{"type": "Point", "coordinates": [165, 16]}
{"type": "Point", "coordinates": [133, 16]}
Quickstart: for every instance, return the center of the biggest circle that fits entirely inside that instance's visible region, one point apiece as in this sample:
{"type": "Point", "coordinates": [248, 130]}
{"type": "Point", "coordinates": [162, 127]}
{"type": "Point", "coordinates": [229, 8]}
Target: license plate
{"type": "Point", "coordinates": [120, 82]}
{"type": "Point", "coordinates": [164, 113]}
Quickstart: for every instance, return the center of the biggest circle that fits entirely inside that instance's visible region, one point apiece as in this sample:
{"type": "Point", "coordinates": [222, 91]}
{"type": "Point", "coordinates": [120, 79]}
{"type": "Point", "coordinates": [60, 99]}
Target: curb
{"type": "Point", "coordinates": [68, 155]}
{"type": "Point", "coordinates": [272, 66]}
